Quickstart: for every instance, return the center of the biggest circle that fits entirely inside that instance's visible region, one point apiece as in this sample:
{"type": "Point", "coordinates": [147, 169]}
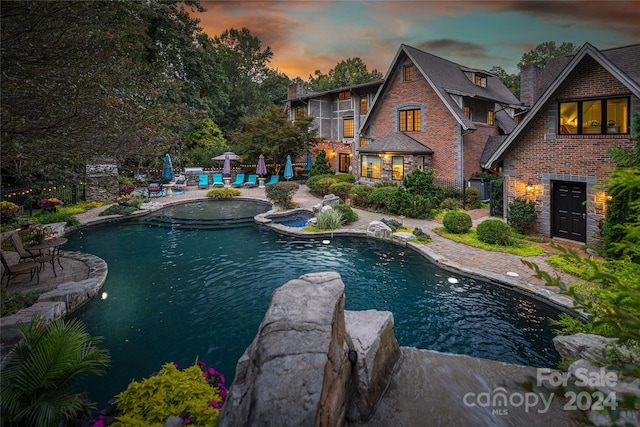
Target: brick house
{"type": "Point", "coordinates": [432, 113]}
{"type": "Point", "coordinates": [557, 155]}
{"type": "Point", "coordinates": [338, 114]}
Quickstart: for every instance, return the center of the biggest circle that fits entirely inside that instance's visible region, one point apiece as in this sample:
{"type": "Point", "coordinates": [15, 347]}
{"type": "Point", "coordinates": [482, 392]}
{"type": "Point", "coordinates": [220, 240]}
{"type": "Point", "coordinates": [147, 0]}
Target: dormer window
{"type": "Point", "coordinates": [481, 80]}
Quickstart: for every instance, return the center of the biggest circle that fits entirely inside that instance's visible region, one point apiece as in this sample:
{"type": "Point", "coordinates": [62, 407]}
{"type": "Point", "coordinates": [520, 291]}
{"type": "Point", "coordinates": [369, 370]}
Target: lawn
{"type": "Point", "coordinates": [517, 247]}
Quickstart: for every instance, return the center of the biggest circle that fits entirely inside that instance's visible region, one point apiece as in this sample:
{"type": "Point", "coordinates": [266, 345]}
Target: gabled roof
{"type": "Point", "coordinates": [447, 78]}
{"type": "Point", "coordinates": [311, 94]}
{"type": "Point", "coordinates": [396, 142]}
{"type": "Point", "coordinates": [623, 63]}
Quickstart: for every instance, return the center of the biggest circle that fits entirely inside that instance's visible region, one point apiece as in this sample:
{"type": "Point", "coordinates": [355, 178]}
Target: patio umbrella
{"type": "Point", "coordinates": [262, 168]}
{"type": "Point", "coordinates": [309, 162]}
{"type": "Point", "coordinates": [288, 169]}
{"type": "Point", "coordinates": [167, 170]}
{"type": "Point", "coordinates": [226, 170]}
{"type": "Point", "coordinates": [231, 154]}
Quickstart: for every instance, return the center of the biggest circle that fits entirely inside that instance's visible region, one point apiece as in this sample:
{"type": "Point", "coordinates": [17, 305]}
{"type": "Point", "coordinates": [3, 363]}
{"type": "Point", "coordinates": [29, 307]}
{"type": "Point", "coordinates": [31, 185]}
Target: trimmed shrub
{"type": "Point", "coordinates": [117, 210]}
{"type": "Point", "coordinates": [348, 214]}
{"type": "Point", "coordinates": [450, 204]}
{"type": "Point", "coordinates": [345, 177]}
{"type": "Point", "coordinates": [325, 183]}
{"type": "Point", "coordinates": [412, 205]}
{"type": "Point", "coordinates": [223, 193]}
{"type": "Point", "coordinates": [382, 196]}
{"type": "Point", "coordinates": [472, 198]}
{"type": "Point", "coordinates": [9, 211]}
{"type": "Point", "coordinates": [522, 214]}
{"type": "Point", "coordinates": [360, 195]}
{"type": "Point", "coordinates": [457, 222]}
{"type": "Point", "coordinates": [320, 165]}
{"type": "Point", "coordinates": [282, 193]}
{"type": "Point", "coordinates": [329, 219]}
{"type": "Point", "coordinates": [341, 189]}
{"type": "Point", "coordinates": [392, 223]}
{"type": "Point", "coordinates": [421, 236]}
{"type": "Point", "coordinates": [494, 232]}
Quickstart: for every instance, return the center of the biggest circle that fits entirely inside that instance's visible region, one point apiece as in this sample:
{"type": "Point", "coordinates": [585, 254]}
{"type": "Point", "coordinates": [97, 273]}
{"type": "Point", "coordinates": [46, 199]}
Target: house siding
{"type": "Point", "coordinates": [542, 157]}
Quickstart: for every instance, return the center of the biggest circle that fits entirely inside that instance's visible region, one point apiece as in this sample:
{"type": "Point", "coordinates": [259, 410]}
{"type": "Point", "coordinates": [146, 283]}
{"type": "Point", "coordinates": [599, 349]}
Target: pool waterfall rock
{"type": "Point", "coordinates": [297, 369]}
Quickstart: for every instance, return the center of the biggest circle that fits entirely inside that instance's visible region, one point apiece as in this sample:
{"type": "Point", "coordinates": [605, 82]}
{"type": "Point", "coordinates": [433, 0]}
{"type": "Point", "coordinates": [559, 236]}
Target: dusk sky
{"type": "Point", "coordinates": [315, 35]}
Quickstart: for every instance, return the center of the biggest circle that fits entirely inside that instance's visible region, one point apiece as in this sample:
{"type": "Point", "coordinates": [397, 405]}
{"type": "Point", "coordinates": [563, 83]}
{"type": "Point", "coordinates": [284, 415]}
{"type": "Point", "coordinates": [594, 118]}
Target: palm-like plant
{"type": "Point", "coordinates": [38, 374]}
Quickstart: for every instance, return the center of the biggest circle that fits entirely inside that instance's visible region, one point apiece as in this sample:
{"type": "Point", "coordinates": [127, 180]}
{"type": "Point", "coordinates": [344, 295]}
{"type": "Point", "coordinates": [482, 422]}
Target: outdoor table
{"type": "Point", "coordinates": [227, 181]}
{"type": "Point", "coordinates": [53, 250]}
{"type": "Point", "coordinates": [261, 181]}
{"type": "Point", "coordinates": [169, 188]}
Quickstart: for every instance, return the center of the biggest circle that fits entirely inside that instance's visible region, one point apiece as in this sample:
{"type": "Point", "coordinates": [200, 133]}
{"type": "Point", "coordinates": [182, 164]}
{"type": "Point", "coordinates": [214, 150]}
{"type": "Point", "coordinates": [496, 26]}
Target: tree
{"type": "Point", "coordinates": [511, 81]}
{"type": "Point", "coordinates": [273, 135]}
{"type": "Point", "coordinates": [321, 165]}
{"type": "Point", "coordinates": [346, 73]}
{"type": "Point", "coordinates": [540, 54]}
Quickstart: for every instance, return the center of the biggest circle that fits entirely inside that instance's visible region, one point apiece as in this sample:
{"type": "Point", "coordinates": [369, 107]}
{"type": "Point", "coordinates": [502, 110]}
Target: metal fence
{"type": "Point", "coordinates": [27, 197]}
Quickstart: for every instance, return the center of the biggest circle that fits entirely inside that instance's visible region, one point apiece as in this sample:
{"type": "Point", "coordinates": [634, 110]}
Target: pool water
{"type": "Point", "coordinates": [297, 219]}
{"type": "Point", "coordinates": [174, 294]}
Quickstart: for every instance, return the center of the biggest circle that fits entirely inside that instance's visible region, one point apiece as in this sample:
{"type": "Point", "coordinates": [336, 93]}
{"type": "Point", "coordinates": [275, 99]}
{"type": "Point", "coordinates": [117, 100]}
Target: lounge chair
{"type": "Point", "coordinates": [273, 180]}
{"type": "Point", "coordinates": [252, 180]}
{"type": "Point", "coordinates": [203, 180]}
{"type": "Point", "coordinates": [217, 180]}
{"type": "Point", "coordinates": [180, 183]}
{"type": "Point", "coordinates": [11, 270]}
{"type": "Point", "coordinates": [239, 180]}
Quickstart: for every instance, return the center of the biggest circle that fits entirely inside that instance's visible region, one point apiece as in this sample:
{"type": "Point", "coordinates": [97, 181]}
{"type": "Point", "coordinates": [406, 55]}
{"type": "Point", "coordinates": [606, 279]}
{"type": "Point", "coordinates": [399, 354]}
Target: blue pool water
{"type": "Point", "coordinates": [178, 293]}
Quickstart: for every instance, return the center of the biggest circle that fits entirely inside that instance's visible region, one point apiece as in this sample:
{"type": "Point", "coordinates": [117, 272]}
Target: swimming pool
{"type": "Point", "coordinates": [176, 293]}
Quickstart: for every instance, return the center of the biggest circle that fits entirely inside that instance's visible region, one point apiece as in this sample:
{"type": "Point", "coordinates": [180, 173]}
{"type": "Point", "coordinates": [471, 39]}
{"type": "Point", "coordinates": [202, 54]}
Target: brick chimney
{"type": "Point", "coordinates": [530, 77]}
{"type": "Point", "coordinates": [296, 89]}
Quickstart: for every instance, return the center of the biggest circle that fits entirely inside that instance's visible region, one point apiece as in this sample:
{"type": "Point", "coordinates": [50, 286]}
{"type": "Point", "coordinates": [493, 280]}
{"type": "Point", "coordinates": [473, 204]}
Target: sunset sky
{"type": "Point", "coordinates": [315, 35]}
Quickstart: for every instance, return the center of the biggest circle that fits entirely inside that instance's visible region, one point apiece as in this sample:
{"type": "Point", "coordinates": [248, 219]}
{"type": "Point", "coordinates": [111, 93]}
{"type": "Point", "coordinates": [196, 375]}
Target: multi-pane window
{"type": "Point", "coordinates": [408, 73]}
{"type": "Point", "coordinates": [397, 168]}
{"type": "Point", "coordinates": [363, 142]}
{"type": "Point", "coordinates": [409, 120]}
{"type": "Point", "coordinates": [481, 80]}
{"type": "Point", "coordinates": [371, 166]}
{"type": "Point", "coordinates": [594, 116]}
{"type": "Point", "coordinates": [363, 105]}
{"type": "Point", "coordinates": [490, 118]}
{"type": "Point", "coordinates": [344, 161]}
{"type": "Point", "coordinates": [467, 111]}
{"type": "Point", "coordinates": [342, 96]}
{"type": "Point", "coordinates": [347, 128]}
{"type": "Point", "coordinates": [299, 112]}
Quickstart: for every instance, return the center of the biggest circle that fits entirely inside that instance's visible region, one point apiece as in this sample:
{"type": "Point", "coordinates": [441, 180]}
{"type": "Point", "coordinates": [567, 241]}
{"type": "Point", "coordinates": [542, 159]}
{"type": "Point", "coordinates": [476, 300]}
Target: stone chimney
{"type": "Point", "coordinates": [530, 77]}
{"type": "Point", "coordinates": [296, 89]}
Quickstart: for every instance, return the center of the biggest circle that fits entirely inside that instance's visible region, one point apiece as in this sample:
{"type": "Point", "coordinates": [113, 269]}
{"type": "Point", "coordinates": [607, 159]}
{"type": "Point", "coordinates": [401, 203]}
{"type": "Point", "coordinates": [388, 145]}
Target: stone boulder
{"type": "Point", "coordinates": [330, 200]}
{"type": "Point", "coordinates": [582, 346]}
{"type": "Point", "coordinates": [379, 229]}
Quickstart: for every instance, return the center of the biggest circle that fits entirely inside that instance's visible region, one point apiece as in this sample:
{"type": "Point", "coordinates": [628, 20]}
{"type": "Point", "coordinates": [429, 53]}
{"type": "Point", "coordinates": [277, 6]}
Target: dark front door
{"type": "Point", "coordinates": [569, 211]}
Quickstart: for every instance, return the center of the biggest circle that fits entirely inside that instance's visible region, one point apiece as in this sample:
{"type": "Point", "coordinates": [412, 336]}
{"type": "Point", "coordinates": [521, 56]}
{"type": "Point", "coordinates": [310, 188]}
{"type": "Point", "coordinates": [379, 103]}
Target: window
{"type": "Point", "coordinates": [481, 80]}
{"type": "Point", "coordinates": [299, 112]}
{"type": "Point", "coordinates": [420, 163]}
{"type": "Point", "coordinates": [409, 120]}
{"type": "Point", "coordinates": [363, 106]}
{"type": "Point", "coordinates": [397, 168]}
{"type": "Point", "coordinates": [490, 118]}
{"type": "Point", "coordinates": [342, 96]}
{"type": "Point", "coordinates": [594, 116]}
{"type": "Point", "coordinates": [371, 167]}
{"type": "Point", "coordinates": [347, 128]}
{"type": "Point", "coordinates": [517, 119]}
{"type": "Point", "coordinates": [344, 161]}
{"type": "Point", "coordinates": [408, 73]}
{"type": "Point", "coordinates": [363, 142]}
{"type": "Point", "coordinates": [467, 112]}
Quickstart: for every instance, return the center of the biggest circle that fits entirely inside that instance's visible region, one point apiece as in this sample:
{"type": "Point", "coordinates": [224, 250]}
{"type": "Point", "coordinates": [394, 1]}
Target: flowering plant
{"type": "Point", "coordinates": [41, 233]}
{"type": "Point", "coordinates": [126, 189]}
{"type": "Point", "coordinates": [123, 198]}
{"type": "Point", "coordinates": [50, 205]}
{"type": "Point", "coordinates": [8, 211]}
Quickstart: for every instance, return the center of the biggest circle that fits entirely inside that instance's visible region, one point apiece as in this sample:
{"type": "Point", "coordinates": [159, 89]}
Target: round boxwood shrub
{"type": "Point", "coordinates": [348, 214]}
{"type": "Point", "coordinates": [450, 204]}
{"type": "Point", "coordinates": [494, 232]}
{"type": "Point", "coordinates": [341, 189]}
{"type": "Point", "coordinates": [457, 222]}
{"type": "Point", "coordinates": [359, 195]}
{"type": "Point", "coordinates": [522, 214]}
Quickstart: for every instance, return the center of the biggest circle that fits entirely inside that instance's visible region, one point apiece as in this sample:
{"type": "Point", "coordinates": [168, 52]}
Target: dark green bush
{"type": "Point", "coordinates": [450, 204]}
{"type": "Point", "coordinates": [382, 196]}
{"type": "Point", "coordinates": [348, 214]}
{"type": "Point", "coordinates": [341, 189]}
{"type": "Point", "coordinates": [522, 214]}
{"type": "Point", "coordinates": [118, 210]}
{"type": "Point", "coordinates": [412, 205]}
{"type": "Point", "coordinates": [421, 236]}
{"type": "Point", "coordinates": [494, 232]}
{"type": "Point", "coordinates": [360, 195]}
{"type": "Point", "coordinates": [457, 222]}
{"type": "Point", "coordinates": [282, 193]}
{"type": "Point", "coordinates": [472, 198]}
{"type": "Point", "coordinates": [320, 165]}
{"type": "Point", "coordinates": [392, 223]}
{"type": "Point", "coordinates": [345, 177]}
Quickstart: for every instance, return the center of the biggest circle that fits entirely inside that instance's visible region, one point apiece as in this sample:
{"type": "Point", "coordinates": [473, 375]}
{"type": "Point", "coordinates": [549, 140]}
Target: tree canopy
{"type": "Point", "coordinates": [351, 72]}
{"type": "Point", "coordinates": [540, 54]}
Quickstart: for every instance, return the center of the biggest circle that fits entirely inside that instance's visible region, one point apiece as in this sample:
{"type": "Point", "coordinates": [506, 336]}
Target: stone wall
{"type": "Point", "coordinates": [306, 365]}
{"type": "Point", "coordinates": [102, 181]}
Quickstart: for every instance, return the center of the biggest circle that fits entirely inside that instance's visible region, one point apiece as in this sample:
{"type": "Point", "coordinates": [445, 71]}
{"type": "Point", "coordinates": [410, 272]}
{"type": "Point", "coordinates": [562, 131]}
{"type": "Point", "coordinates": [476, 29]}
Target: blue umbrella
{"type": "Point", "coordinates": [288, 169]}
{"type": "Point", "coordinates": [262, 168]}
{"type": "Point", "coordinates": [226, 169]}
{"type": "Point", "coordinates": [309, 162]}
{"type": "Point", "coordinates": [167, 170]}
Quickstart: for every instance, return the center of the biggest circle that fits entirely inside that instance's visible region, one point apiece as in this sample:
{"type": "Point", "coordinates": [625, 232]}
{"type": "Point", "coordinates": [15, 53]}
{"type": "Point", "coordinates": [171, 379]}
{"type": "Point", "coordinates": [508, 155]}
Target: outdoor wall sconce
{"type": "Point", "coordinates": [530, 188]}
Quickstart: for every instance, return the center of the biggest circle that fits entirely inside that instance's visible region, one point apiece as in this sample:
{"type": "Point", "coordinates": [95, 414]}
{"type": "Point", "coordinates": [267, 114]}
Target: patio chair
{"type": "Point", "coordinates": [154, 189]}
{"type": "Point", "coordinates": [180, 183]}
{"type": "Point", "coordinates": [36, 255]}
{"type": "Point", "coordinates": [203, 180]}
{"type": "Point", "coordinates": [11, 270]}
{"type": "Point", "coordinates": [239, 180]}
{"type": "Point", "coordinates": [217, 180]}
{"type": "Point", "coordinates": [273, 180]}
{"type": "Point", "coordinates": [252, 180]}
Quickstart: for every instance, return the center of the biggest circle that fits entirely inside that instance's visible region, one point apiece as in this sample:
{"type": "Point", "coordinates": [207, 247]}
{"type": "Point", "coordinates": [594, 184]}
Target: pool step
{"type": "Point", "coordinates": [196, 224]}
